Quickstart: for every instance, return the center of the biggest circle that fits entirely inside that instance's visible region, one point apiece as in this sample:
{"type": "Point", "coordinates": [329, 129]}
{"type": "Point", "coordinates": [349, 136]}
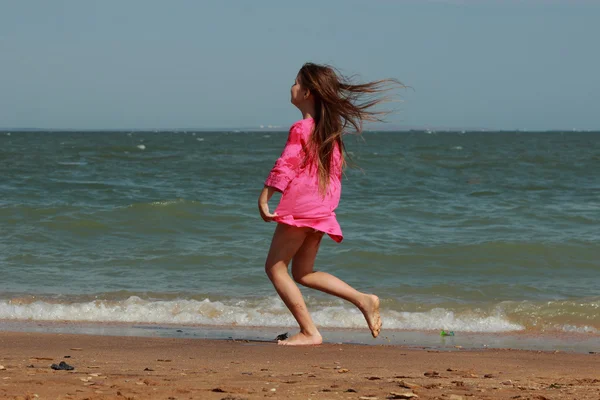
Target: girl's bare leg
{"type": "Point", "coordinates": [286, 242]}
{"type": "Point", "coordinates": [302, 270]}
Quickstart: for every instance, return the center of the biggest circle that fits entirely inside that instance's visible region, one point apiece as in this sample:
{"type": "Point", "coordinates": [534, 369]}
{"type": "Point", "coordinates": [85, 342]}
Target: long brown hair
{"type": "Point", "coordinates": [339, 104]}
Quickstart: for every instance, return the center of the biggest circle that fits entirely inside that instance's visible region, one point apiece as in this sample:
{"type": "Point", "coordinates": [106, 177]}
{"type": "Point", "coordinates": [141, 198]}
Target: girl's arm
{"type": "Point", "coordinates": [286, 166]}
{"type": "Point", "coordinates": [263, 203]}
{"type": "Point", "coordinates": [283, 171]}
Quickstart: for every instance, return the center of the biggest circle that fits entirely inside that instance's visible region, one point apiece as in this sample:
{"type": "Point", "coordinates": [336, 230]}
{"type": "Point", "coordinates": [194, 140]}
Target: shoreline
{"type": "Point", "coordinates": [130, 367]}
{"type": "Point", "coordinates": [571, 342]}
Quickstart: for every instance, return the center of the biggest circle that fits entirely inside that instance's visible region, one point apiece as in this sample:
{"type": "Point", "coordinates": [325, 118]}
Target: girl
{"type": "Point", "coordinates": [308, 173]}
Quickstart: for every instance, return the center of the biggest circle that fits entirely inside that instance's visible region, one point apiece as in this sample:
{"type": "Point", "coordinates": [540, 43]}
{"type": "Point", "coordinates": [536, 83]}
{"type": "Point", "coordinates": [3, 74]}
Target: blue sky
{"type": "Point", "coordinates": [528, 64]}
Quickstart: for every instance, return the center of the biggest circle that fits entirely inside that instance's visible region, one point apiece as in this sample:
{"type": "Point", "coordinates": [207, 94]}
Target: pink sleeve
{"type": "Point", "coordinates": [287, 164]}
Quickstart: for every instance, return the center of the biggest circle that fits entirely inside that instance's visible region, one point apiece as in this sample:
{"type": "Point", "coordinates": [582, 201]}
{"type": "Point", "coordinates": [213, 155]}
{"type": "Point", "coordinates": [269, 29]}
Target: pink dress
{"type": "Point", "coordinates": [301, 203]}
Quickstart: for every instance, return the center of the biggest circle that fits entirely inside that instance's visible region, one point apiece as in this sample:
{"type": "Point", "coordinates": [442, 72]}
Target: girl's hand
{"type": "Point", "coordinates": [265, 214]}
{"type": "Point", "coordinates": [263, 204]}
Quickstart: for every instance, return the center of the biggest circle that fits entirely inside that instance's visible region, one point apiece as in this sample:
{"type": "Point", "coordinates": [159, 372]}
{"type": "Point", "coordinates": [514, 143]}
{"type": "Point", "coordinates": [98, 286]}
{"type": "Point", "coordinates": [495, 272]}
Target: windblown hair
{"type": "Point", "coordinates": [340, 107]}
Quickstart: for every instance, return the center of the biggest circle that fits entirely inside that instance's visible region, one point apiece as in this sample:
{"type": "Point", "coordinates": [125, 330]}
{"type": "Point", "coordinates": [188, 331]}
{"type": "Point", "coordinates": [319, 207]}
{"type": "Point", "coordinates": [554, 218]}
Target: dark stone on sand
{"type": "Point", "coordinates": [67, 356]}
{"type": "Point", "coordinates": [148, 369]}
{"type": "Point", "coordinates": [283, 336]}
{"type": "Point", "coordinates": [488, 376]}
{"type": "Point", "coordinates": [219, 390]}
{"type": "Point", "coordinates": [63, 366]}
{"type": "Point", "coordinates": [350, 390]}
{"type": "Point", "coordinates": [555, 386]}
{"type": "Point", "coordinates": [31, 366]}
{"type": "Point", "coordinates": [179, 330]}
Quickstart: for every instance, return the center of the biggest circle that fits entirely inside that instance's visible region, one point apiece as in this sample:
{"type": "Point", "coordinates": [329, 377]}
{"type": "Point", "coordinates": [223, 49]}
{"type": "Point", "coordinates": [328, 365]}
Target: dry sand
{"type": "Point", "coordinates": [109, 367]}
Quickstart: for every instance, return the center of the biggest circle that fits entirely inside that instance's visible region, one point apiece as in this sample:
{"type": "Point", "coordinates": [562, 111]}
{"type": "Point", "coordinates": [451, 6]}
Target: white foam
{"type": "Point", "coordinates": [141, 146]}
{"type": "Point", "coordinates": [72, 163]}
{"type": "Point", "coordinates": [577, 329]}
{"type": "Point", "coordinates": [265, 312]}
{"type": "Point", "coordinates": [200, 139]}
{"type": "Point", "coordinates": [167, 202]}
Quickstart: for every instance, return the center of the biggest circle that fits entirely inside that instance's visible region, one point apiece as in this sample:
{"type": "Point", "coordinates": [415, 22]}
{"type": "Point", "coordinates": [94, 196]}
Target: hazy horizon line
{"type": "Point", "coordinates": [283, 129]}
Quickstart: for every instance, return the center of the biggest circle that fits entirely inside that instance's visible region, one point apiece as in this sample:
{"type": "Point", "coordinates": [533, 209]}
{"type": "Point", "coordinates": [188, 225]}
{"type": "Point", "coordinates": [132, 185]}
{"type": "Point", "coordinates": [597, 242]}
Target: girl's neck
{"type": "Point", "coordinates": [308, 111]}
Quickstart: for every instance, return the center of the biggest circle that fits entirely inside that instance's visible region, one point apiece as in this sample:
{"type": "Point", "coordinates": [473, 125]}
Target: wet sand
{"type": "Point", "coordinates": [113, 367]}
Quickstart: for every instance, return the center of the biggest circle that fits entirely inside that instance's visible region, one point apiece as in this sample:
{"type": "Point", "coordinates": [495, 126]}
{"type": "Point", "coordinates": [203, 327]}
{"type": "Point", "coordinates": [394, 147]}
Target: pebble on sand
{"type": "Point", "coordinates": [406, 395]}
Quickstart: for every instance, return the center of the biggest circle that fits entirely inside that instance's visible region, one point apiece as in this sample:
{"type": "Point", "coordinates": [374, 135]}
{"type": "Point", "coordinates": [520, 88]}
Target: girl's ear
{"type": "Point", "coordinates": [306, 94]}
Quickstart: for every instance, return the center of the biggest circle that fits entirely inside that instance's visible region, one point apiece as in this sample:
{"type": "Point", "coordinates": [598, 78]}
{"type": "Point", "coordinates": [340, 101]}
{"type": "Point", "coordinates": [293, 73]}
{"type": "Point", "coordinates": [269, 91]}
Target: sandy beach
{"type": "Point", "coordinates": [113, 367]}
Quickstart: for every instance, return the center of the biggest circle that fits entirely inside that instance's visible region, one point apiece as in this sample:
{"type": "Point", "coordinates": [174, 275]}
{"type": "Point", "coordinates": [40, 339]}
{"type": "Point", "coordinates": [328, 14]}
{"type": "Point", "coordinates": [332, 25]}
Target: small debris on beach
{"type": "Point", "coordinates": [432, 386]}
{"type": "Point", "coordinates": [62, 366]}
{"type": "Point", "coordinates": [283, 336]}
{"type": "Point", "coordinates": [407, 395]}
{"type": "Point", "coordinates": [408, 385]}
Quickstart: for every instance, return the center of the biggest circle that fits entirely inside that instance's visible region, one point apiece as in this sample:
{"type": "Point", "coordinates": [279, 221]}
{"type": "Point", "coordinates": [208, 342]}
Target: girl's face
{"type": "Point", "coordinates": [298, 93]}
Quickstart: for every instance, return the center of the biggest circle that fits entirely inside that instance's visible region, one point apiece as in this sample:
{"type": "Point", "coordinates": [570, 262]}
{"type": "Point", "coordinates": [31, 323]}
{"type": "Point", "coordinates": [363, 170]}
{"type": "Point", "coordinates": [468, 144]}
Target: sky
{"type": "Point", "coordinates": [145, 64]}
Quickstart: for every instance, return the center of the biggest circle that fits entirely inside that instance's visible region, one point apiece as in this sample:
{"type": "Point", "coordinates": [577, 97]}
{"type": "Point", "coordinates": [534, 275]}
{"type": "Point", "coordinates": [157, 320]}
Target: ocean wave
{"type": "Point", "coordinates": [271, 312]}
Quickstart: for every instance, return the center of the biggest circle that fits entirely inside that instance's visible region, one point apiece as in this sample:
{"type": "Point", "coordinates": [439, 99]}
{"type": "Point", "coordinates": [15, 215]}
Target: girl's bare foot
{"type": "Point", "coordinates": [370, 309]}
{"type": "Point", "coordinates": [302, 339]}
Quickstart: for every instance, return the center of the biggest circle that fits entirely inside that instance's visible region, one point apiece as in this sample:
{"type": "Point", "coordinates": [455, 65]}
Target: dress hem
{"type": "Point", "coordinates": [312, 223]}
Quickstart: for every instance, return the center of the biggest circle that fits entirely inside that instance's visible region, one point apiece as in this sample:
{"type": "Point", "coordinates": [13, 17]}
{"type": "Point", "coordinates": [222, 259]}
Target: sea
{"type": "Point", "coordinates": [470, 232]}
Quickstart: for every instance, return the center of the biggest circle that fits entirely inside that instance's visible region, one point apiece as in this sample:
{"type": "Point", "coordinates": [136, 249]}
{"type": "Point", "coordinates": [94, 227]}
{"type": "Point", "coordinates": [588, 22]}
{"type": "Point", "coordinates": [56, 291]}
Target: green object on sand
{"type": "Point", "coordinates": [444, 333]}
